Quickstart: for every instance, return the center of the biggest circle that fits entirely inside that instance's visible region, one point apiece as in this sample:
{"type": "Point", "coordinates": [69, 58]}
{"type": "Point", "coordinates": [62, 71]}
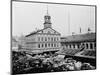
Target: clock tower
{"type": "Point", "coordinates": [47, 20]}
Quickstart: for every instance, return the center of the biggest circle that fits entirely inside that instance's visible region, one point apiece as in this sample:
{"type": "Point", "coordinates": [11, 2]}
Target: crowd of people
{"type": "Point", "coordinates": [23, 62]}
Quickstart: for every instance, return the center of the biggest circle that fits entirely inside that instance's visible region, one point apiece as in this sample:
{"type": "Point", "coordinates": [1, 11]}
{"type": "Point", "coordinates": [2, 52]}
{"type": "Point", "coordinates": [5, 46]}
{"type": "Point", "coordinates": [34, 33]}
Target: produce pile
{"type": "Point", "coordinates": [25, 63]}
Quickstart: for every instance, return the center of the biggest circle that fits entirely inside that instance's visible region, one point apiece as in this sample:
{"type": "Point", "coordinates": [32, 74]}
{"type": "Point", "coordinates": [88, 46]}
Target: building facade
{"type": "Point", "coordinates": [14, 44]}
{"type": "Point", "coordinates": [87, 40]}
{"type": "Point", "coordinates": [79, 45]}
{"type": "Point", "coordinates": [46, 39]}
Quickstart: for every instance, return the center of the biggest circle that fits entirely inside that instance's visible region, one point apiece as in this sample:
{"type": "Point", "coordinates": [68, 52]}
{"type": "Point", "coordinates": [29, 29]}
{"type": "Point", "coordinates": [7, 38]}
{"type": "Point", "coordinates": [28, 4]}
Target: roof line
{"type": "Point", "coordinates": [39, 31]}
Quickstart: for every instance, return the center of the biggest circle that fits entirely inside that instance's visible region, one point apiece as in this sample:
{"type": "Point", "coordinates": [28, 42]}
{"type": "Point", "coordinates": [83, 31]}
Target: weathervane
{"type": "Point", "coordinates": [47, 10]}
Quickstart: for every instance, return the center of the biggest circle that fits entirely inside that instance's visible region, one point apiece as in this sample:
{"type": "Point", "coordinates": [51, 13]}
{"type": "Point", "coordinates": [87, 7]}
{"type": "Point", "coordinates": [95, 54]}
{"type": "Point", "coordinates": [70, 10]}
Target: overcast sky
{"type": "Point", "coordinates": [27, 17]}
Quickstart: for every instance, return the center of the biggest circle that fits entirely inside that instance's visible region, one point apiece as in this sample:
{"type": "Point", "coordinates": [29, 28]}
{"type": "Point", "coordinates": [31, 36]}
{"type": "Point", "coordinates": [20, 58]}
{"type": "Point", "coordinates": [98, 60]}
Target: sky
{"type": "Point", "coordinates": [28, 17]}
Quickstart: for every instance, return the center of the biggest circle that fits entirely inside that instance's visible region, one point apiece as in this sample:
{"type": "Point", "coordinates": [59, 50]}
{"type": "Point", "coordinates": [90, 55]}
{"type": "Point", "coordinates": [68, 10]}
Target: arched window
{"type": "Point", "coordinates": [73, 45]}
{"type": "Point", "coordinates": [87, 46]}
{"type": "Point", "coordinates": [45, 39]}
{"type": "Point", "coordinates": [38, 45]}
{"type": "Point", "coordinates": [49, 45]}
{"type": "Point", "coordinates": [51, 39]}
{"type": "Point", "coordinates": [42, 45]}
{"type": "Point", "coordinates": [78, 46]}
{"type": "Point", "coordinates": [69, 46]}
{"type": "Point", "coordinates": [91, 46]}
{"type": "Point", "coordinates": [45, 45]}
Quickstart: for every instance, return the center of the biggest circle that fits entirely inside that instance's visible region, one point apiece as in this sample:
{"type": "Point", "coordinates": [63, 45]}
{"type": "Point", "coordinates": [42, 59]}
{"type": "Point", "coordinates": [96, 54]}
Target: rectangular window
{"type": "Point", "coordinates": [38, 38]}
{"type": "Point", "coordinates": [38, 45]}
{"type": "Point", "coordinates": [86, 46]}
{"type": "Point", "coordinates": [51, 39]}
{"type": "Point", "coordinates": [45, 39]}
{"type": "Point", "coordinates": [52, 45]}
{"type": "Point", "coordinates": [45, 45]}
{"type": "Point", "coordinates": [48, 38]}
{"type": "Point", "coordinates": [42, 45]}
{"type": "Point", "coordinates": [42, 39]}
{"type": "Point", "coordinates": [49, 45]}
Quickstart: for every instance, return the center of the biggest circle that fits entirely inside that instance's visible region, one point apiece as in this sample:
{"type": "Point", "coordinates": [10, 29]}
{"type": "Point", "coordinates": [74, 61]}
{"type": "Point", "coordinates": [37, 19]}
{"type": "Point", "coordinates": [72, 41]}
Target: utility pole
{"type": "Point", "coordinates": [80, 30]}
